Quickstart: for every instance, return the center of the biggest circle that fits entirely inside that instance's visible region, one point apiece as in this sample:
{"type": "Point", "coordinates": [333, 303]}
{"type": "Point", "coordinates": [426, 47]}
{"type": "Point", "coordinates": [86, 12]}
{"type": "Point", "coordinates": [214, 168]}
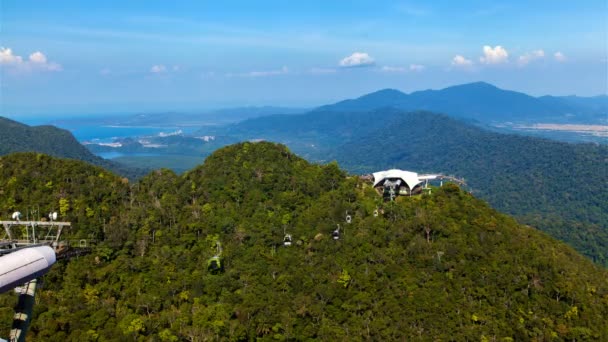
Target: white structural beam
{"type": "Point", "coordinates": [36, 223]}
{"type": "Point", "coordinates": [24, 265]}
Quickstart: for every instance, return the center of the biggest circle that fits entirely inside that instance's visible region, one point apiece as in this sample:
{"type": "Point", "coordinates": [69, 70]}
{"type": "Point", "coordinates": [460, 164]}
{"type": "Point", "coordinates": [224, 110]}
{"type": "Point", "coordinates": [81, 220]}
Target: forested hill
{"type": "Point", "coordinates": [559, 187]}
{"type": "Point", "coordinates": [53, 141]}
{"type": "Point", "coordinates": [443, 266]}
{"type": "Point", "coordinates": [314, 134]}
{"type": "Point", "coordinates": [483, 102]}
{"type": "Point", "coordinates": [18, 137]}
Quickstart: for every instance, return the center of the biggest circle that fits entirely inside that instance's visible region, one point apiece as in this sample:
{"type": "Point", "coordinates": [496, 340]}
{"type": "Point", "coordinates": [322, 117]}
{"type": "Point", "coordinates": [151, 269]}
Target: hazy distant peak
{"type": "Point", "coordinates": [11, 123]}
{"type": "Point", "coordinates": [480, 101]}
{"type": "Point", "coordinates": [474, 86]}
{"type": "Point", "coordinates": [384, 97]}
{"type": "Point", "coordinates": [386, 92]}
{"type": "Point", "coordinates": [480, 84]}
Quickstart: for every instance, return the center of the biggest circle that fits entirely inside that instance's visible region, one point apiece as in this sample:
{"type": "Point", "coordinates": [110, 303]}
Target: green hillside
{"type": "Point", "coordinates": [561, 188]}
{"type": "Point", "coordinates": [89, 196]}
{"type": "Point", "coordinates": [558, 187]}
{"type": "Point", "coordinates": [17, 137]}
{"type": "Point", "coordinates": [53, 141]}
{"type": "Point", "coordinates": [438, 267]}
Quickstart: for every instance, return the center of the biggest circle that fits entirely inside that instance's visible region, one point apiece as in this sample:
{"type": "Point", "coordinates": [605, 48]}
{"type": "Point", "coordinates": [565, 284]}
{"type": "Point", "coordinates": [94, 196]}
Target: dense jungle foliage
{"type": "Point", "coordinates": [443, 266]}
{"type": "Point", "coordinates": [558, 187]}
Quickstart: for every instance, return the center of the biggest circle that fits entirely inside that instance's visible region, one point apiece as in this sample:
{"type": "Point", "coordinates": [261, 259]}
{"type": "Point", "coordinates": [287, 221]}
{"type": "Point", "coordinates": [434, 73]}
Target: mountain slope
{"type": "Point", "coordinates": [53, 141]}
{"type": "Point", "coordinates": [524, 176]}
{"type": "Point", "coordinates": [18, 137]}
{"type": "Point", "coordinates": [311, 135]}
{"type": "Point", "coordinates": [85, 194]}
{"type": "Point", "coordinates": [483, 102]}
{"type": "Point", "coordinates": [586, 108]}
{"type": "Point", "coordinates": [378, 99]}
{"type": "Point", "coordinates": [438, 267]}
{"type": "Point", "coordinates": [559, 187]}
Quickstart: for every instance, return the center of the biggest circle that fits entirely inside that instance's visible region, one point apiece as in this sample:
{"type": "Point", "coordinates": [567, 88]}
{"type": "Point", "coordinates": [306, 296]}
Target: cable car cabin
{"type": "Point", "coordinates": [336, 234]}
{"type": "Point", "coordinates": [287, 240]}
{"type": "Point", "coordinates": [215, 265]}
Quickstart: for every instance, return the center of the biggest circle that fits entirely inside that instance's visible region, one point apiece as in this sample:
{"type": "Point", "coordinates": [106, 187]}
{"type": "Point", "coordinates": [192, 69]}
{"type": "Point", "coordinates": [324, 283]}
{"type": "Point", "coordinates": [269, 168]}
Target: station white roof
{"type": "Point", "coordinates": [410, 178]}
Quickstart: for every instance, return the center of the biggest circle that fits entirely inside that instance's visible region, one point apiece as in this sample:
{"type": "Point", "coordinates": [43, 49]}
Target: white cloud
{"type": "Point", "coordinates": [36, 61]}
{"type": "Point", "coordinates": [530, 56]}
{"type": "Point", "coordinates": [560, 57]}
{"type": "Point", "coordinates": [158, 69]}
{"type": "Point", "coordinates": [357, 59]}
{"type": "Point", "coordinates": [7, 57]}
{"type": "Point", "coordinates": [460, 61]}
{"type": "Point", "coordinates": [417, 67]}
{"type": "Point", "coordinates": [38, 57]}
{"type": "Point", "coordinates": [495, 55]}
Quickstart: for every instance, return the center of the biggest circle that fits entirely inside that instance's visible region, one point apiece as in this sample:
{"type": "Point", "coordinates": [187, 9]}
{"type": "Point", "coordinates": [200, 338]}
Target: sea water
{"type": "Point", "coordinates": [93, 129]}
{"type": "Point", "coordinates": [105, 133]}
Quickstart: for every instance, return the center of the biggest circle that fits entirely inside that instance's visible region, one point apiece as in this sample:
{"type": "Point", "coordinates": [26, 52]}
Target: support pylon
{"type": "Point", "coordinates": [23, 312]}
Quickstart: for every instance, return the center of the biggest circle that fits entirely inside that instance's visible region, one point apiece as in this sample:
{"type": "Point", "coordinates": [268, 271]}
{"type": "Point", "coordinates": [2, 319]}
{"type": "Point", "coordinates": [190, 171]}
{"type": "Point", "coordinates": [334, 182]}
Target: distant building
{"type": "Point", "coordinates": [396, 182]}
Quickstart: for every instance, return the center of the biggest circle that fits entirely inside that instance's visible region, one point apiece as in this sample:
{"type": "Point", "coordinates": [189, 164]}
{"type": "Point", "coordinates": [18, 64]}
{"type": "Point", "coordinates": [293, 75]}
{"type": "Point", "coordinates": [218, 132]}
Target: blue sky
{"type": "Point", "coordinates": [128, 56]}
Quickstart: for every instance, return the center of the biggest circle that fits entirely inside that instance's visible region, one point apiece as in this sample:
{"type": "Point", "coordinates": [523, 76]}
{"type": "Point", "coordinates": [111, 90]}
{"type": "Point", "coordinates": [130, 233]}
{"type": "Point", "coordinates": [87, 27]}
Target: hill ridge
{"type": "Point", "coordinates": [443, 266]}
{"type": "Point", "coordinates": [366, 141]}
{"type": "Point", "coordinates": [481, 101]}
{"type": "Point", "coordinates": [53, 141]}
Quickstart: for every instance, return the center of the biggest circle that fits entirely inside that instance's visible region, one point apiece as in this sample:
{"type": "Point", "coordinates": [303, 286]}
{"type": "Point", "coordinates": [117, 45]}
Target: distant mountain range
{"type": "Point", "coordinates": [211, 117]}
{"type": "Point", "coordinates": [560, 188]}
{"type": "Point", "coordinates": [479, 101]}
{"type": "Point", "coordinates": [18, 137]}
{"type": "Point", "coordinates": [484, 102]}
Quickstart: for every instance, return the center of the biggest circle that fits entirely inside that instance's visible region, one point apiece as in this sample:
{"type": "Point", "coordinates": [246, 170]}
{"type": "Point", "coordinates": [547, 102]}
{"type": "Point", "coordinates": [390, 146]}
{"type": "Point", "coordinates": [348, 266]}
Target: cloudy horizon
{"type": "Point", "coordinates": [71, 56]}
